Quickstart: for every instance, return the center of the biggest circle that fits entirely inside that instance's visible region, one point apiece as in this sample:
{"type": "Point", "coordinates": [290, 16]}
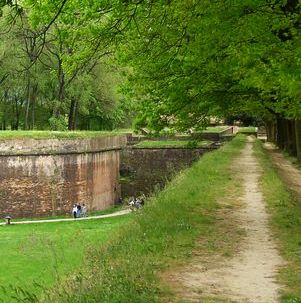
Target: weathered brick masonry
{"type": "Point", "coordinates": [145, 169]}
{"type": "Point", "coordinates": [46, 177]}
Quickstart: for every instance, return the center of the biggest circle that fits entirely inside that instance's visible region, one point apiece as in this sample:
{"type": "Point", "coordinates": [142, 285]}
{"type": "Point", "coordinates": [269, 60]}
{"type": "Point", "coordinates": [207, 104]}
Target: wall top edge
{"type": "Point", "coordinates": [29, 146]}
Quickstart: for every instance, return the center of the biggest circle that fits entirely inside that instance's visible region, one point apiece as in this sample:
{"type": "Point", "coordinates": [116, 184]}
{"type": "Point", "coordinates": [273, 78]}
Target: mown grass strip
{"type": "Point", "coordinates": [286, 222]}
{"type": "Point", "coordinates": [33, 254]}
{"type": "Point", "coordinates": [248, 129]}
{"type": "Point", "coordinates": [39, 135]}
{"type": "Point", "coordinates": [164, 233]}
{"type": "Point", "coordinates": [172, 144]}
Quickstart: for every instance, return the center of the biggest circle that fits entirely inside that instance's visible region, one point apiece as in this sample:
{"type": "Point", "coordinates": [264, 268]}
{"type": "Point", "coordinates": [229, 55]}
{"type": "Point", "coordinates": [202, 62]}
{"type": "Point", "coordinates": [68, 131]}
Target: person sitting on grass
{"type": "Point", "coordinates": [79, 210]}
{"type": "Point", "coordinates": [138, 203]}
{"type": "Point", "coordinates": [132, 203]}
{"type": "Point", "coordinates": [135, 203]}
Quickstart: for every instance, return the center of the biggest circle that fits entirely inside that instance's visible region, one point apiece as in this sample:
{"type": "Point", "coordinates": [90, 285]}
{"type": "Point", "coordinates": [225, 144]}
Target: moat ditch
{"type": "Point", "coordinates": [146, 170]}
{"type": "Point", "coordinates": [41, 178]}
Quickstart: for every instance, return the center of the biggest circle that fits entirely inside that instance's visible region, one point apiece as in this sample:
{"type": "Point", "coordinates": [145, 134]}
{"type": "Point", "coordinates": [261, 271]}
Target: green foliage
{"type": "Point", "coordinates": [183, 61]}
{"type": "Point", "coordinates": [286, 214]}
{"type": "Point", "coordinates": [7, 135]}
{"type": "Point", "coordinates": [194, 59]}
{"type": "Point", "coordinates": [46, 77]}
{"type": "Point", "coordinates": [194, 144]}
{"type": "Point", "coordinates": [58, 123]}
{"type": "Point", "coordinates": [172, 143]}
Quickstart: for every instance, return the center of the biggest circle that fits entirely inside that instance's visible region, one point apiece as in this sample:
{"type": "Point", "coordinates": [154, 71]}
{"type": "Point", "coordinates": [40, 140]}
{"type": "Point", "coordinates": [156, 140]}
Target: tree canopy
{"type": "Point", "coordinates": [175, 62]}
{"type": "Point", "coordinates": [52, 75]}
{"type": "Point", "coordinates": [194, 59]}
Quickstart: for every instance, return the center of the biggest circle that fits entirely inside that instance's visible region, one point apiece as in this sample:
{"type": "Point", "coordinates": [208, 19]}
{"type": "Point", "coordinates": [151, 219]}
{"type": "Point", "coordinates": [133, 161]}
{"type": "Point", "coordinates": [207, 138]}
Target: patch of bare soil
{"type": "Point", "coordinates": [289, 174]}
{"type": "Point", "coordinates": [249, 276]}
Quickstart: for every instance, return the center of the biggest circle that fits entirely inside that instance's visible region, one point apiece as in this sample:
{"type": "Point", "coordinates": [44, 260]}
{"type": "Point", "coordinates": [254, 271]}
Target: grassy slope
{"type": "Point", "coordinates": [43, 252]}
{"type": "Point", "coordinates": [286, 223]}
{"type": "Point", "coordinates": [163, 234]}
{"type": "Point", "coordinates": [292, 159]}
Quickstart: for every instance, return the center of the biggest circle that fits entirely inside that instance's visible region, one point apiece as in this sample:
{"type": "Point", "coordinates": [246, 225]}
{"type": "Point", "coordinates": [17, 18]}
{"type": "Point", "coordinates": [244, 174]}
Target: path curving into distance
{"type": "Point", "coordinates": [118, 213]}
{"type": "Point", "coordinates": [250, 275]}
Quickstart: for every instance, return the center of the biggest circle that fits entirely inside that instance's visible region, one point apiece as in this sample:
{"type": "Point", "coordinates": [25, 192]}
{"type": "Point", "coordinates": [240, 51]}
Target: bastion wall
{"type": "Point", "coordinates": [46, 177]}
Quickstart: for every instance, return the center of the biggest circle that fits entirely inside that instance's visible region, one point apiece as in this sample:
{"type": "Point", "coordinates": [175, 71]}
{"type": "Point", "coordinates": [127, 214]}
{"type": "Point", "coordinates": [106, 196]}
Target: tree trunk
{"type": "Point", "coordinates": [298, 138]}
{"type": "Point", "coordinates": [16, 127]}
{"type": "Point", "coordinates": [33, 102]}
{"type": "Point", "coordinates": [71, 114]}
{"type": "Point", "coordinates": [271, 131]}
{"type": "Point", "coordinates": [286, 142]}
{"type": "Point", "coordinates": [33, 108]}
{"type": "Point", "coordinates": [61, 91]}
{"type": "Point", "coordinates": [281, 131]}
{"type": "Point", "coordinates": [26, 126]}
{"type": "Point", "coordinates": [292, 134]}
{"type": "Point", "coordinates": [75, 115]}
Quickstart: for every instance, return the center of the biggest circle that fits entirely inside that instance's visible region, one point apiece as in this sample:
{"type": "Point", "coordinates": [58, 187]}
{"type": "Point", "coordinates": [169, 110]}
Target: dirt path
{"type": "Point", "coordinates": [115, 214]}
{"type": "Point", "coordinates": [290, 175]}
{"type": "Point", "coordinates": [250, 275]}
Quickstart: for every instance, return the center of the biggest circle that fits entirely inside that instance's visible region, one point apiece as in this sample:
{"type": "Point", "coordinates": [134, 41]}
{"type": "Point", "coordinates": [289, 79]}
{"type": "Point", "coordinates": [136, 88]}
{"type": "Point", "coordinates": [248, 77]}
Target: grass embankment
{"type": "Point", "coordinates": [286, 222]}
{"type": "Point", "coordinates": [46, 253]}
{"type": "Point", "coordinates": [9, 135]}
{"type": "Point", "coordinates": [247, 130]}
{"type": "Point", "coordinates": [163, 234]}
{"type": "Point", "coordinates": [172, 144]}
{"type": "Point", "coordinates": [292, 159]}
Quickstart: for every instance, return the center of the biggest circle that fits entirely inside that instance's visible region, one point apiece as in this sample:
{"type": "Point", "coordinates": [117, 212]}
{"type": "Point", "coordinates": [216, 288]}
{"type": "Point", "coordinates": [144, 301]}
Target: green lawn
{"type": "Point", "coordinates": [172, 143]}
{"type": "Point", "coordinates": [44, 253]}
{"type": "Point", "coordinates": [107, 211]}
{"type": "Point", "coordinates": [7, 134]}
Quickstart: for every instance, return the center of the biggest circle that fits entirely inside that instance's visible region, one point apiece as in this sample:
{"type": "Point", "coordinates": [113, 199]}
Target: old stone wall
{"type": "Point", "coordinates": [46, 177]}
{"type": "Point", "coordinates": [144, 170]}
{"type": "Point", "coordinates": [219, 136]}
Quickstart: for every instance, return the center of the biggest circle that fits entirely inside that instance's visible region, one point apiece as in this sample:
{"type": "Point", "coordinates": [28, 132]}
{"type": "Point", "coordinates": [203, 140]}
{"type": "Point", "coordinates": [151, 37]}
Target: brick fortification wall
{"type": "Point", "coordinates": [144, 170]}
{"type": "Point", "coordinates": [46, 177]}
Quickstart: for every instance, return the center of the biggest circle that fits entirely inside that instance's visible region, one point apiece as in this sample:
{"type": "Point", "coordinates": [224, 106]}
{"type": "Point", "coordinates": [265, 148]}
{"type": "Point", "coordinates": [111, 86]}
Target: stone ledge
{"type": "Point", "coordinates": [34, 147]}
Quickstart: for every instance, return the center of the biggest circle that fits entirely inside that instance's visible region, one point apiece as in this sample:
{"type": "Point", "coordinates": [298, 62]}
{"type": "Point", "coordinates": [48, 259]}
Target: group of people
{"type": "Point", "coordinates": [136, 203]}
{"type": "Point", "coordinates": [79, 211]}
